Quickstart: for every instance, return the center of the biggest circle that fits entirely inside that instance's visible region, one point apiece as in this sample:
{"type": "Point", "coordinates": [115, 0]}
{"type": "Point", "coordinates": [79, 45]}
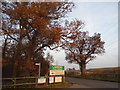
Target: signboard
{"type": "Point", "coordinates": [53, 67]}
{"type": "Point", "coordinates": [51, 79]}
{"type": "Point", "coordinates": [58, 79]}
{"type": "Point", "coordinates": [37, 63]}
{"type": "Point", "coordinates": [57, 70]}
{"type": "Point", "coordinates": [41, 79]}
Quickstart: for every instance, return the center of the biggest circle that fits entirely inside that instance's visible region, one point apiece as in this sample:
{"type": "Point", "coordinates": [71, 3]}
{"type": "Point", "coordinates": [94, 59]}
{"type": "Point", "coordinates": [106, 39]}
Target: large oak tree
{"type": "Point", "coordinates": [81, 48]}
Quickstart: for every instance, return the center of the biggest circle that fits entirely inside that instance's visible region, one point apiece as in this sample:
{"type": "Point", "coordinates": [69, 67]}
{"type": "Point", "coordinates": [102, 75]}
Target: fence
{"type": "Point", "coordinates": [24, 81]}
{"type": "Point", "coordinates": [18, 81]}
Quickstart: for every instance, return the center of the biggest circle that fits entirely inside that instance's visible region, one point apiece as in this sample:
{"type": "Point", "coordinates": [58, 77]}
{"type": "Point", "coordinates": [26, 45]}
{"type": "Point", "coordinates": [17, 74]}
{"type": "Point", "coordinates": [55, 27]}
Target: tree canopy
{"type": "Point", "coordinates": [82, 48]}
{"type": "Point", "coordinates": [28, 28]}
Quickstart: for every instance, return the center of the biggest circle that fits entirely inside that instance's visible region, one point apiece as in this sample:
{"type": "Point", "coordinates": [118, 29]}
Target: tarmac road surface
{"type": "Point", "coordinates": [85, 83]}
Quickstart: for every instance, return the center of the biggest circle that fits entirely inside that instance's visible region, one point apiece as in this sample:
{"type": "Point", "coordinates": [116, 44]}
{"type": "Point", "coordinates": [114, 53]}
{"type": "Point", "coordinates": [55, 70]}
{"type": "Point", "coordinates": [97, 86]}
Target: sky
{"type": "Point", "coordinates": [99, 17]}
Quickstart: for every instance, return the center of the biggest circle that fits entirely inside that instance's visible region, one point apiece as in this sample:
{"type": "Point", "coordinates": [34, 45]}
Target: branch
{"type": "Point", "coordinates": [52, 48]}
{"type": "Point", "coordinates": [41, 47]}
{"type": "Point", "coordinates": [88, 61]}
{"type": "Point", "coordinates": [91, 58]}
{"type": "Point", "coordinates": [9, 34]}
{"type": "Point", "coordinates": [12, 37]}
{"type": "Point", "coordinates": [74, 56]}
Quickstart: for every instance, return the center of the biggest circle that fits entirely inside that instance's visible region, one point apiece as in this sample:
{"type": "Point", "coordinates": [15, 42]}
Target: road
{"type": "Point", "coordinates": [85, 83]}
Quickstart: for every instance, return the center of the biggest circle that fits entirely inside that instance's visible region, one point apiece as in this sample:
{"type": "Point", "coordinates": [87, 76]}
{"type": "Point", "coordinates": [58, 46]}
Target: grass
{"type": "Point", "coordinates": [105, 74]}
{"type": "Point", "coordinates": [98, 77]}
{"type": "Point", "coordinates": [57, 85]}
{"type": "Point", "coordinates": [33, 87]}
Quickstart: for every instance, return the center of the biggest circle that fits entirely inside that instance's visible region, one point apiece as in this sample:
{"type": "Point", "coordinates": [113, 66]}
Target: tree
{"type": "Point", "coordinates": [81, 48]}
{"type": "Point", "coordinates": [45, 64]}
{"type": "Point", "coordinates": [30, 28]}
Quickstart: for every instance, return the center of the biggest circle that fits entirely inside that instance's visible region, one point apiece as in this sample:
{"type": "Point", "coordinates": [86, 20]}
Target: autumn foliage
{"type": "Point", "coordinates": [28, 29]}
{"type": "Point", "coordinates": [82, 48]}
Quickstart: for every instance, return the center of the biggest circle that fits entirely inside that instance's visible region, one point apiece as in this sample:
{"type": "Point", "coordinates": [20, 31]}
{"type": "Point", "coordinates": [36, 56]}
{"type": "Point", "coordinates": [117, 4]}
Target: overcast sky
{"type": "Point", "coordinates": [99, 17]}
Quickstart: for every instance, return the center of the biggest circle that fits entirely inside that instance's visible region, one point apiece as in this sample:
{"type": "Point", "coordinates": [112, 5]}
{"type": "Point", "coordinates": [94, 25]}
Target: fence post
{"type": "Point", "coordinates": [47, 80]}
{"type": "Point", "coordinates": [54, 80]}
{"type": "Point", "coordinates": [63, 78]}
{"type": "Point", "coordinates": [36, 80]}
{"type": "Point", "coordinates": [14, 82]}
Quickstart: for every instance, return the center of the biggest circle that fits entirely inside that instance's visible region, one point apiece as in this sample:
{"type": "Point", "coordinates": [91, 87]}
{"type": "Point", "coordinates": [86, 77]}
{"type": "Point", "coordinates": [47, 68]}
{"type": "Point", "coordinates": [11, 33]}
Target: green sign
{"type": "Point", "coordinates": [41, 77]}
{"type": "Point", "coordinates": [53, 67]}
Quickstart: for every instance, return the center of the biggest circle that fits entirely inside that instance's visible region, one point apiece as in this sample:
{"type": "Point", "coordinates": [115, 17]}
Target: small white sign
{"type": "Point", "coordinates": [42, 80]}
{"type": "Point", "coordinates": [58, 79]}
{"type": "Point", "coordinates": [51, 79]}
{"type": "Point", "coordinates": [57, 72]}
{"type": "Point", "coordinates": [37, 63]}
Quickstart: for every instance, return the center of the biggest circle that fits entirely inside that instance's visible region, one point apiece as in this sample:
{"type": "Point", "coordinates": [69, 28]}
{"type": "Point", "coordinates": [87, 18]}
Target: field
{"type": "Point", "coordinates": [106, 74]}
{"type": "Point", "coordinates": [105, 70]}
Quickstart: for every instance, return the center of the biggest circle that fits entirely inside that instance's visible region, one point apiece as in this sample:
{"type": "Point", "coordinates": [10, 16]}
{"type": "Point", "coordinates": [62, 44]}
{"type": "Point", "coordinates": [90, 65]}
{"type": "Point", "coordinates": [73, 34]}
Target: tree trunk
{"type": "Point", "coordinates": [15, 64]}
{"type": "Point", "coordinates": [27, 71]}
{"type": "Point", "coordinates": [16, 58]}
{"type": "Point", "coordinates": [83, 69]}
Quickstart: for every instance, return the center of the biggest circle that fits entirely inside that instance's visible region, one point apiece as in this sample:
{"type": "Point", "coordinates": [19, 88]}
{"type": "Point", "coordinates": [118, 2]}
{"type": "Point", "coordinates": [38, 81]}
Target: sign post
{"type": "Point", "coordinates": [39, 67]}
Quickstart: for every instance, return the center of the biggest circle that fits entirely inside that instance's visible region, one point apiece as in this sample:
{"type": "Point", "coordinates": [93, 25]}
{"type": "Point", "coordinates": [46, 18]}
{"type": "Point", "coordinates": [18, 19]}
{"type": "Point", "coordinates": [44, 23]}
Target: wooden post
{"type": "Point", "coordinates": [14, 82]}
{"type": "Point", "coordinates": [36, 80]}
{"type": "Point", "coordinates": [54, 80]}
{"type": "Point", "coordinates": [63, 78]}
{"type": "Point", "coordinates": [47, 80]}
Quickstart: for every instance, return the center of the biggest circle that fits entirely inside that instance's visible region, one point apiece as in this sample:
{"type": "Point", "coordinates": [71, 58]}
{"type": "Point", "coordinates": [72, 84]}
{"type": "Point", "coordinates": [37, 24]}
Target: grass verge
{"type": "Point", "coordinates": [57, 85]}
{"type": "Point", "coordinates": [98, 78]}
